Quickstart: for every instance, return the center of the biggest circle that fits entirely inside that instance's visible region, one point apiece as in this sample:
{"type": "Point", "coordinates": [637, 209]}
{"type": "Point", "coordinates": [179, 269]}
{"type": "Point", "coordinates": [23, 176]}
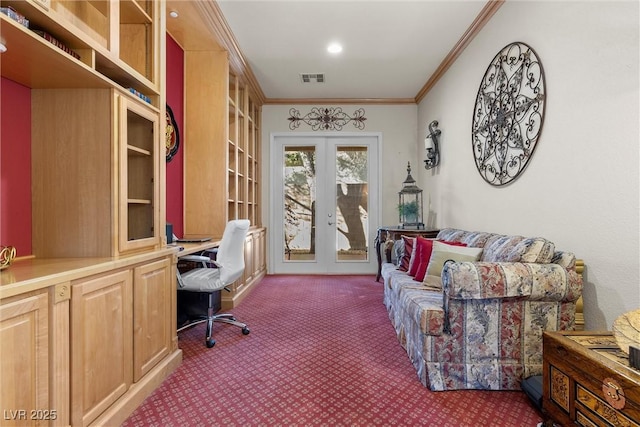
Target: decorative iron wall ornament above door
{"type": "Point", "coordinates": [326, 118]}
{"type": "Point", "coordinates": [508, 114]}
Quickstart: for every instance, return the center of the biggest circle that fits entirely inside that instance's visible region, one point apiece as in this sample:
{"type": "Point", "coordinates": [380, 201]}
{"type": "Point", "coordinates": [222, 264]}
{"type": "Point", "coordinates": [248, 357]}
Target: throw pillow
{"type": "Point", "coordinates": [406, 255]}
{"type": "Point", "coordinates": [425, 247]}
{"type": "Point", "coordinates": [398, 250]}
{"type": "Point", "coordinates": [433, 282]}
{"type": "Point", "coordinates": [415, 259]}
{"type": "Point", "coordinates": [448, 242]}
{"type": "Point", "coordinates": [443, 252]}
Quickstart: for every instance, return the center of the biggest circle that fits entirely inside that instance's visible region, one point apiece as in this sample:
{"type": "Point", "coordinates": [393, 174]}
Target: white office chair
{"type": "Point", "coordinates": [215, 275]}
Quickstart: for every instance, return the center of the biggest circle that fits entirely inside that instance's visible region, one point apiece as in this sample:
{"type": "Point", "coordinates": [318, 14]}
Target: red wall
{"type": "Point", "coordinates": [15, 166]}
{"type": "Point", "coordinates": [175, 168]}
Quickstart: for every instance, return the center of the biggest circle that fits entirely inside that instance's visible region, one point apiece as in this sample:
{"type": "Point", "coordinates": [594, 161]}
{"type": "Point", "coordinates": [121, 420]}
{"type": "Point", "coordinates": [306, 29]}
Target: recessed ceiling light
{"type": "Point", "coordinates": [173, 14]}
{"type": "Point", "coordinates": [334, 48]}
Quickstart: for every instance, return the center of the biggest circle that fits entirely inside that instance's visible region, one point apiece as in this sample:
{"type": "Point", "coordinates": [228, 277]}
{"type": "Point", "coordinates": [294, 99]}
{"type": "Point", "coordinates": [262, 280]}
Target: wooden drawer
{"type": "Point", "coordinates": [587, 380]}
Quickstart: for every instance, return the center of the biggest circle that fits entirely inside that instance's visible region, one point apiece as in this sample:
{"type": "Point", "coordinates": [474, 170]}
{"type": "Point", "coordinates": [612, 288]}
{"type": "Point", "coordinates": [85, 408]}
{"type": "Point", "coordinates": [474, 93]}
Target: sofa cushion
{"type": "Point", "coordinates": [498, 248]}
{"type": "Point", "coordinates": [433, 282]}
{"type": "Point", "coordinates": [443, 252]}
{"type": "Point", "coordinates": [406, 253]}
{"type": "Point", "coordinates": [536, 249]}
{"type": "Point", "coordinates": [424, 307]}
{"type": "Point", "coordinates": [425, 247]}
{"type": "Point", "coordinates": [564, 259]}
{"type": "Point", "coordinates": [397, 252]}
{"type": "Point", "coordinates": [476, 239]}
{"type": "Point", "coordinates": [415, 258]}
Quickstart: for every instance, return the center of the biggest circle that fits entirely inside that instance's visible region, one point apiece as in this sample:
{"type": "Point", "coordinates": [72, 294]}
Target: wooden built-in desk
{"type": "Point", "coordinates": [194, 248]}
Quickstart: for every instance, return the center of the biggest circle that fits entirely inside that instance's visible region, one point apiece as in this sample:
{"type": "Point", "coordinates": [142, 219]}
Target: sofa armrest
{"type": "Point", "coordinates": [483, 280]}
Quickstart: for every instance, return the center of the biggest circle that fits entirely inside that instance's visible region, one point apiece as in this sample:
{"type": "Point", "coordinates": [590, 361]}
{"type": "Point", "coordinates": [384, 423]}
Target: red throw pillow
{"type": "Point", "coordinates": [452, 243]}
{"type": "Point", "coordinates": [426, 247]}
{"type": "Point", "coordinates": [406, 256]}
{"type": "Point", "coordinates": [413, 264]}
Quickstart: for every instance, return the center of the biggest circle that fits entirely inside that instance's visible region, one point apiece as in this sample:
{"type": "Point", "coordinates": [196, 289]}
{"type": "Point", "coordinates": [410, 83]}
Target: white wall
{"type": "Point", "coordinates": [396, 123]}
{"type": "Point", "coordinates": [581, 187]}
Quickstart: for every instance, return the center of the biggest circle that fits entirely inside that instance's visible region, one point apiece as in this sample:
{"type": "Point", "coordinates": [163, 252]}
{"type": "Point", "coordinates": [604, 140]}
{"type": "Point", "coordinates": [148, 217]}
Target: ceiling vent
{"type": "Point", "coordinates": [312, 78]}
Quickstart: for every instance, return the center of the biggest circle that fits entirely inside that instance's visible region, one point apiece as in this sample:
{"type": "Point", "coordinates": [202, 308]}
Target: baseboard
{"type": "Point", "coordinates": [127, 404]}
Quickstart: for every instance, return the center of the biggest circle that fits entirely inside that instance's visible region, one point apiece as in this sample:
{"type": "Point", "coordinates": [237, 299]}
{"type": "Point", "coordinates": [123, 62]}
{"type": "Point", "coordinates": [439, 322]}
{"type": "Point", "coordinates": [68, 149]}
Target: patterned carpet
{"type": "Point", "coordinates": [321, 352]}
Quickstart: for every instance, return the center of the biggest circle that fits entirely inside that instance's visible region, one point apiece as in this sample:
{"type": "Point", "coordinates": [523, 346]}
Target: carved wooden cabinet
{"type": "Point", "coordinates": [587, 381]}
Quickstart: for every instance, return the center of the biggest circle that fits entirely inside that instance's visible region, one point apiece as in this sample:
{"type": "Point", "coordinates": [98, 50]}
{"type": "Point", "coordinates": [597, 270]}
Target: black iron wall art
{"type": "Point", "coordinates": [326, 118]}
{"type": "Point", "coordinates": [172, 135]}
{"type": "Point", "coordinates": [508, 114]}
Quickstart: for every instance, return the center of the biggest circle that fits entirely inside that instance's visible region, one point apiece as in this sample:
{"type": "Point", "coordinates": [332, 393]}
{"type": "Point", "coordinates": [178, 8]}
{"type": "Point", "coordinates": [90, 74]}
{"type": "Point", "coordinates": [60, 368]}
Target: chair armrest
{"type": "Point", "coordinates": [532, 281]}
{"type": "Point", "coordinates": [196, 258]}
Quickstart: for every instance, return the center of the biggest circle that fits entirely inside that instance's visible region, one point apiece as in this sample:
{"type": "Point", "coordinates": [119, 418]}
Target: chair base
{"type": "Point", "coordinates": [222, 318]}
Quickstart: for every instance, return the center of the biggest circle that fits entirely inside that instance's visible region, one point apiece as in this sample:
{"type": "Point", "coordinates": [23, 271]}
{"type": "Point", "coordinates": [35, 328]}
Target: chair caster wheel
{"type": "Point", "coordinates": [245, 331]}
{"type": "Point", "coordinates": [211, 343]}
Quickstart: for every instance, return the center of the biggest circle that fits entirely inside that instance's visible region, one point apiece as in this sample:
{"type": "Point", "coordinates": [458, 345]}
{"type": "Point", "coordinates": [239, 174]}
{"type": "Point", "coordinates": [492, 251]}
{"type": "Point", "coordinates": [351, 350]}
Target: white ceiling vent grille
{"type": "Point", "coordinates": [312, 77]}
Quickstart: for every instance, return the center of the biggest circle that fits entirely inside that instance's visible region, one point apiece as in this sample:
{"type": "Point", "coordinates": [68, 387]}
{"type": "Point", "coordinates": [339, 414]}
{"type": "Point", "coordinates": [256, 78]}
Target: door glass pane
{"type": "Point", "coordinates": [299, 203]}
{"type": "Point", "coordinates": [352, 204]}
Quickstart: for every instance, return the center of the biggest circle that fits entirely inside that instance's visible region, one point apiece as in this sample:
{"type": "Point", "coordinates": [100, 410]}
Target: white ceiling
{"type": "Point", "coordinates": [391, 47]}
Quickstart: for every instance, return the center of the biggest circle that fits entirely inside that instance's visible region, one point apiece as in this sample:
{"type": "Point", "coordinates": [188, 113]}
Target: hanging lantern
{"type": "Point", "coordinates": [410, 203]}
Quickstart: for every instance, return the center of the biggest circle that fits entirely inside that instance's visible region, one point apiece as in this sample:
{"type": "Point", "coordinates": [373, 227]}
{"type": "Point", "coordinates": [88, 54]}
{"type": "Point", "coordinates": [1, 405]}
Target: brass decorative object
{"type": "Point", "coordinates": [7, 254]}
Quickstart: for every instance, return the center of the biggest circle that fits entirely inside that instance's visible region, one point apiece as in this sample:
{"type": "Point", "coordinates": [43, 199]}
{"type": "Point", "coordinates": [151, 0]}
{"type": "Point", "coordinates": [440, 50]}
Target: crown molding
{"type": "Point", "coordinates": [483, 17]}
{"type": "Point", "coordinates": [362, 101]}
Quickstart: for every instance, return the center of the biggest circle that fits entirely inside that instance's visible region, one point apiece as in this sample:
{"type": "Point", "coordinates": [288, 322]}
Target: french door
{"type": "Point", "coordinates": [324, 204]}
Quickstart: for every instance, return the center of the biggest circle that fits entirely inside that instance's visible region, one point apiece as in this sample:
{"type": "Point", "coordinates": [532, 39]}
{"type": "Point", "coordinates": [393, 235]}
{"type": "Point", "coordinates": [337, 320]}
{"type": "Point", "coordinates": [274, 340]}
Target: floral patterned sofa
{"type": "Point", "coordinates": [479, 325]}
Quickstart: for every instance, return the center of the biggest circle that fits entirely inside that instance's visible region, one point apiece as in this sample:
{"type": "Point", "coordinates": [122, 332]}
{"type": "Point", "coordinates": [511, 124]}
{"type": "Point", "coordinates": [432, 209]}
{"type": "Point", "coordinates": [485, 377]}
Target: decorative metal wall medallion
{"type": "Point", "coordinates": [326, 118]}
{"type": "Point", "coordinates": [508, 114]}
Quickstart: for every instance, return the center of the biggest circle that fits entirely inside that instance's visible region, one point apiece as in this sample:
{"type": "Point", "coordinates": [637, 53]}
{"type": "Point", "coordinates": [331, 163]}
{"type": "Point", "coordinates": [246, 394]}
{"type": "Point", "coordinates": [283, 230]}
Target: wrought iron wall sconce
{"type": "Point", "coordinates": [432, 145]}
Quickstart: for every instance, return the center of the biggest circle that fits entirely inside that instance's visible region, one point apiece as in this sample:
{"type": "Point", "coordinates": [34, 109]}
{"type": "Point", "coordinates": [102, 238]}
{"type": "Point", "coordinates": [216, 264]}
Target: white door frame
{"type": "Point", "coordinates": [375, 200]}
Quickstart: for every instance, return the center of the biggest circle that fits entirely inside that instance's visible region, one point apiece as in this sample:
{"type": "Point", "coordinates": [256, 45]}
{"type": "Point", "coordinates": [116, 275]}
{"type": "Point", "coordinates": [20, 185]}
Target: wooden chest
{"type": "Point", "coordinates": [587, 380]}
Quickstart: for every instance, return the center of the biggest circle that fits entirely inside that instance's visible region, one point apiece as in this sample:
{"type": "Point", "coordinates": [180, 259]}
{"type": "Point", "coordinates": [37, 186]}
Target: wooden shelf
{"type": "Point", "coordinates": [132, 13]}
{"type": "Point", "coordinates": [34, 62]}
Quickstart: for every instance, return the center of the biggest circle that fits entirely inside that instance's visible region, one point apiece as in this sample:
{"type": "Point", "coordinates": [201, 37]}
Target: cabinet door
{"type": "Point", "coordinates": [139, 214]}
{"type": "Point", "coordinates": [24, 391]}
{"type": "Point", "coordinates": [101, 344]}
{"type": "Point", "coordinates": [153, 288]}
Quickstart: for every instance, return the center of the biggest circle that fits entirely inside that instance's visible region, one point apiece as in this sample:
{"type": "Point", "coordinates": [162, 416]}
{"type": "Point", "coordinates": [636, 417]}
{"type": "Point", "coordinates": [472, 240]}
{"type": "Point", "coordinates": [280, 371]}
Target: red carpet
{"type": "Point", "coordinates": [321, 351]}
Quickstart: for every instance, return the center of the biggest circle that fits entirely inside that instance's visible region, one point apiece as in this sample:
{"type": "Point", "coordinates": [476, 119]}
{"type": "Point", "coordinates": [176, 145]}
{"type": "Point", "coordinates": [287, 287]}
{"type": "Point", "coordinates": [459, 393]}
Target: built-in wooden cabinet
{"type": "Point", "coordinates": [243, 153]}
{"type": "Point", "coordinates": [24, 360]}
{"type": "Point", "coordinates": [255, 268]}
{"type": "Point", "coordinates": [88, 322]}
{"type": "Point", "coordinates": [153, 326]}
{"type": "Point", "coordinates": [222, 157]}
{"type": "Point", "coordinates": [104, 181]}
{"type": "Point", "coordinates": [120, 330]}
{"type": "Point", "coordinates": [139, 168]}
{"type": "Point", "coordinates": [118, 43]}
{"type": "Point", "coordinates": [101, 344]}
